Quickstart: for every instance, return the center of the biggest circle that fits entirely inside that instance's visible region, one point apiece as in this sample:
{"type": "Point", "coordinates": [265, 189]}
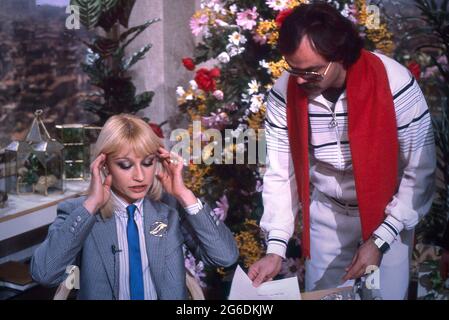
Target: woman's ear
{"type": "Point", "coordinates": [105, 170]}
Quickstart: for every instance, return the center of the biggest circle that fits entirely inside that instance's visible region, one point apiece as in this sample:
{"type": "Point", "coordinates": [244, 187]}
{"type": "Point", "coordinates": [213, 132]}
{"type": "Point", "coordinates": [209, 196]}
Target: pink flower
{"type": "Point", "coordinates": [221, 211]}
{"type": "Point", "coordinates": [199, 25]}
{"type": "Point", "coordinates": [218, 94]}
{"type": "Point", "coordinates": [195, 269]}
{"type": "Point", "coordinates": [247, 19]}
{"type": "Point", "coordinates": [259, 39]}
{"type": "Point", "coordinates": [216, 121]}
{"type": "Point", "coordinates": [259, 186]}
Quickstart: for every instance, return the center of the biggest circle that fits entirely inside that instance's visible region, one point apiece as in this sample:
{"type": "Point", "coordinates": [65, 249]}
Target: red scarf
{"type": "Point", "coordinates": [372, 136]}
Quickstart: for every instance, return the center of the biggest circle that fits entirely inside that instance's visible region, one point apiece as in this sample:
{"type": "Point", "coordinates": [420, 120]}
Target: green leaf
{"type": "Point", "coordinates": [128, 63]}
{"type": "Point", "coordinates": [90, 11]}
{"type": "Point", "coordinates": [109, 4]}
{"type": "Point", "coordinates": [137, 30]}
{"type": "Point", "coordinates": [143, 100]}
{"type": "Point", "coordinates": [94, 73]}
{"type": "Point", "coordinates": [126, 7]}
{"type": "Point", "coordinates": [92, 106]}
{"type": "Point", "coordinates": [104, 46]}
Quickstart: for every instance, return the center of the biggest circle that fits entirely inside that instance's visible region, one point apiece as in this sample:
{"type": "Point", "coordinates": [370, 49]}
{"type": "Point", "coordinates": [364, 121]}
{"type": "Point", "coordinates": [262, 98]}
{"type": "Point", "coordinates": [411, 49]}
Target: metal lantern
{"type": "Point", "coordinates": [35, 165]}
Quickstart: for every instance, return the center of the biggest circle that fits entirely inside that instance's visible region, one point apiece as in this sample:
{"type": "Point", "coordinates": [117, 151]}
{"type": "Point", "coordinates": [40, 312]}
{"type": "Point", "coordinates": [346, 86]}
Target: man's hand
{"type": "Point", "coordinates": [444, 264]}
{"type": "Point", "coordinates": [265, 269]}
{"type": "Point", "coordinates": [368, 254]}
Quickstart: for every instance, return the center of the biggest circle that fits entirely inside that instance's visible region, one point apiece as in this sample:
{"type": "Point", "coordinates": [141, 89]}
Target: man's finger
{"type": "Point", "coordinates": [351, 272]}
{"type": "Point", "coordinates": [354, 259]}
{"type": "Point", "coordinates": [259, 279]}
{"type": "Point", "coordinates": [253, 272]}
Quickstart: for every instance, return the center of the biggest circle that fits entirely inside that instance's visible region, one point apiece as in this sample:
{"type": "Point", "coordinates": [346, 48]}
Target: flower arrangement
{"type": "Point", "coordinates": [233, 68]}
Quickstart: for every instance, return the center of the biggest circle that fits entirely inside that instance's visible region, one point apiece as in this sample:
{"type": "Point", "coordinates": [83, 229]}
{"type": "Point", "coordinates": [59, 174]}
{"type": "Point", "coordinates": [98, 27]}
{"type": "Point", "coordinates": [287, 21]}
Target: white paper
{"type": "Point", "coordinates": [242, 288]}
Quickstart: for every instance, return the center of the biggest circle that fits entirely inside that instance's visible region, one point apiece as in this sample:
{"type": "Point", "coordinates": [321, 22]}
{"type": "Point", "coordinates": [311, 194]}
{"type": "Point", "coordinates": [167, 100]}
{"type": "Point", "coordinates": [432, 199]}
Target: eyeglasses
{"type": "Point", "coordinates": [310, 76]}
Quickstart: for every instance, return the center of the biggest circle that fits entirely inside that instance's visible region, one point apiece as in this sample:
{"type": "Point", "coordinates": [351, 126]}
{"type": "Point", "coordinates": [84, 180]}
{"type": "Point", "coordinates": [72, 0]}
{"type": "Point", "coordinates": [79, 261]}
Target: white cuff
{"type": "Point", "coordinates": [277, 242]}
{"type": "Point", "coordinates": [194, 208]}
{"type": "Point", "coordinates": [277, 248]}
{"type": "Point", "coordinates": [389, 229]}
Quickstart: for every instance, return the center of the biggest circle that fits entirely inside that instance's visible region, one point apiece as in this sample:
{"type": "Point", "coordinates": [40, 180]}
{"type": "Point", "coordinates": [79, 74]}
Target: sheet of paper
{"type": "Point", "coordinates": [242, 288]}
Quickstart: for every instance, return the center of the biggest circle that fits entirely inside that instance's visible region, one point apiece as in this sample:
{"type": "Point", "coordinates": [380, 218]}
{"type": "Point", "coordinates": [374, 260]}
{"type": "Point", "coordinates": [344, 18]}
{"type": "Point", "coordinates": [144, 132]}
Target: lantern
{"type": "Point", "coordinates": [35, 165]}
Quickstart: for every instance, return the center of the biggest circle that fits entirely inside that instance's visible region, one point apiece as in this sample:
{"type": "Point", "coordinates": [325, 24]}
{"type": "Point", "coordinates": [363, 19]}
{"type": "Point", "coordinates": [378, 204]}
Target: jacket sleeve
{"type": "Point", "coordinates": [280, 196]}
{"type": "Point", "coordinates": [63, 243]}
{"type": "Point", "coordinates": [209, 239]}
{"type": "Point", "coordinates": [417, 165]}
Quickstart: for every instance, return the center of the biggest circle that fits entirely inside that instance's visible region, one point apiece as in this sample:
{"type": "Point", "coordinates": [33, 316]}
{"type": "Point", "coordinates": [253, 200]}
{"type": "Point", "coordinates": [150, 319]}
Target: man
{"type": "Point", "coordinates": [356, 126]}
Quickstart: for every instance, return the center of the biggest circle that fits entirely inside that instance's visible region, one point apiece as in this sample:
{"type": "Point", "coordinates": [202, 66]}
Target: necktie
{"type": "Point", "coordinates": [135, 262]}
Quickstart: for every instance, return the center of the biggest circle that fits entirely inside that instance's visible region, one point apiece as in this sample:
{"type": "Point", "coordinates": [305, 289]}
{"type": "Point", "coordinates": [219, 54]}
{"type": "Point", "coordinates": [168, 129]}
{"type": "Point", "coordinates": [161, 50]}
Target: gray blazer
{"type": "Point", "coordinates": [77, 237]}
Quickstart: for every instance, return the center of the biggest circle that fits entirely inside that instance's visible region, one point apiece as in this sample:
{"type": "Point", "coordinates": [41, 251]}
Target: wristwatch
{"type": "Point", "coordinates": [382, 245]}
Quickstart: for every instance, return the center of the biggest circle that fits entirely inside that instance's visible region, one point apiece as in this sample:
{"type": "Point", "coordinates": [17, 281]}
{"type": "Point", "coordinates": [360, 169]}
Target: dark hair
{"type": "Point", "coordinates": [334, 37]}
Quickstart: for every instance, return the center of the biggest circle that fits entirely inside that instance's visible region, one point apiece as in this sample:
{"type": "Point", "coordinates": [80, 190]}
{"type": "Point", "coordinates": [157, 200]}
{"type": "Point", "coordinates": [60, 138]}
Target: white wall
{"type": "Point", "coordinates": [162, 70]}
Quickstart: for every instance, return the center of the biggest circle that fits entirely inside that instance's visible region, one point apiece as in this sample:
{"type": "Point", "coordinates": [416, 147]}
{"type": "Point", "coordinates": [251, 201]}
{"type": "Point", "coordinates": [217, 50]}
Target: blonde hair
{"type": "Point", "coordinates": [123, 131]}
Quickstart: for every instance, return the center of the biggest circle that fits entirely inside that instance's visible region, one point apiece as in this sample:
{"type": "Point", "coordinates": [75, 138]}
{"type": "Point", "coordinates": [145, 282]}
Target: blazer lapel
{"type": "Point", "coordinates": [105, 235]}
{"type": "Point", "coordinates": [155, 242]}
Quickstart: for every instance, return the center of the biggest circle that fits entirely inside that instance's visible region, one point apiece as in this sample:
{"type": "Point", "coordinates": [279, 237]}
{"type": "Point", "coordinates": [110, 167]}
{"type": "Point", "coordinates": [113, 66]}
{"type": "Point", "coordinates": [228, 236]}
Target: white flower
{"type": "Point", "coordinates": [189, 97]}
{"type": "Point", "coordinates": [253, 87]}
{"type": "Point", "coordinates": [233, 50]}
{"type": "Point", "coordinates": [218, 94]}
{"type": "Point", "coordinates": [264, 64]}
{"type": "Point", "coordinates": [245, 98]}
{"type": "Point", "coordinates": [233, 9]}
{"type": "Point", "coordinates": [180, 91]}
{"type": "Point", "coordinates": [256, 102]}
{"type": "Point", "coordinates": [240, 148]}
{"type": "Point", "coordinates": [277, 5]}
{"type": "Point", "coordinates": [224, 57]}
{"type": "Point", "coordinates": [236, 38]}
{"type": "Point", "coordinates": [193, 84]}
{"type": "Point", "coordinates": [221, 23]}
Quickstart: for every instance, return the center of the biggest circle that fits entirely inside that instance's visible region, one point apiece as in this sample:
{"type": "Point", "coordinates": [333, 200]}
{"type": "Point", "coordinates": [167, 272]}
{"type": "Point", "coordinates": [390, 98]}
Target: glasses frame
{"type": "Point", "coordinates": [309, 75]}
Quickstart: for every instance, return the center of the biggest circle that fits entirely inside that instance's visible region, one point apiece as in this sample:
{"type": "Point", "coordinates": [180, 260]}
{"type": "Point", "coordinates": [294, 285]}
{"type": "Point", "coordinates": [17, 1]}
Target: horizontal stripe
{"type": "Point", "coordinates": [408, 86]}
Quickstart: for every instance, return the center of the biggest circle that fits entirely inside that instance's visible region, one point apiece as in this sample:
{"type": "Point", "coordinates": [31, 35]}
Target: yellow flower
{"type": "Point", "coordinates": [277, 68]}
{"type": "Point", "coordinates": [256, 119]}
{"type": "Point", "coordinates": [294, 3]}
{"type": "Point", "coordinates": [249, 244]}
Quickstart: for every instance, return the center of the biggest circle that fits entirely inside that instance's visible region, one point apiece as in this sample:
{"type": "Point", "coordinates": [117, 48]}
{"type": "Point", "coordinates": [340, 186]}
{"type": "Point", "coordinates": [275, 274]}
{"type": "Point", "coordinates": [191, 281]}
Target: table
{"type": "Point", "coordinates": [27, 212]}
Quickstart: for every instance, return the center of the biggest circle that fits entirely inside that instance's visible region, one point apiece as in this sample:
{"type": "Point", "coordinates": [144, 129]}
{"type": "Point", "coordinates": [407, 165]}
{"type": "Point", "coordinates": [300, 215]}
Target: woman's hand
{"type": "Point", "coordinates": [171, 178]}
{"type": "Point", "coordinates": [99, 192]}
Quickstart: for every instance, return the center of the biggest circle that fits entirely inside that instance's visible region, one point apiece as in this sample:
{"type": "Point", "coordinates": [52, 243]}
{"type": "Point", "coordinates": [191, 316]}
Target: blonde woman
{"type": "Point", "coordinates": [126, 241]}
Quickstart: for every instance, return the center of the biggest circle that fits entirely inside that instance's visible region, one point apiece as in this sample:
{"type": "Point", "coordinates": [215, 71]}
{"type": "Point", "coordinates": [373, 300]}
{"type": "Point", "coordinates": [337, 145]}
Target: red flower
{"type": "Point", "coordinates": [281, 17]}
{"type": "Point", "coordinates": [415, 69]}
{"type": "Point", "coordinates": [156, 129]}
{"type": "Point", "coordinates": [188, 64]}
{"type": "Point", "coordinates": [215, 73]}
{"type": "Point", "coordinates": [205, 79]}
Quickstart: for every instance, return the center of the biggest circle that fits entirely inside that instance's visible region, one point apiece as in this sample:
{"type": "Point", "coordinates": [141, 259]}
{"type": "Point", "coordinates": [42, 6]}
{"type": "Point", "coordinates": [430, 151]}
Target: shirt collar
{"type": "Point", "coordinates": [321, 100]}
{"type": "Point", "coordinates": [120, 205]}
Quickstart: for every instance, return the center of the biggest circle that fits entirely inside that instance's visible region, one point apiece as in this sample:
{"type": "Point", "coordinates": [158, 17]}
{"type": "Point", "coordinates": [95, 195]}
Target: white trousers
{"type": "Point", "coordinates": [335, 232]}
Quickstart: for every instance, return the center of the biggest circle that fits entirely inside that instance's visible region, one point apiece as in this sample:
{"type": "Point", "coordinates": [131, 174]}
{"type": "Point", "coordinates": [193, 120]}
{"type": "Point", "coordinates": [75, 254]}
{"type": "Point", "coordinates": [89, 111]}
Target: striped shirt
{"type": "Point", "coordinates": [331, 169]}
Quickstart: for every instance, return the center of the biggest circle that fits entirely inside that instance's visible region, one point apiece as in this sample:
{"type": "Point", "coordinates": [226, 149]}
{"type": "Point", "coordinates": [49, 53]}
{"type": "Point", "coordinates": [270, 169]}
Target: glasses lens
{"type": "Point", "coordinates": [308, 76]}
